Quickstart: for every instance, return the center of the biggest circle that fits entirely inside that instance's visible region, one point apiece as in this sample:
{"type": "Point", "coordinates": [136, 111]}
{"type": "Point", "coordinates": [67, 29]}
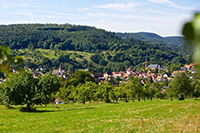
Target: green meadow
{"type": "Point", "coordinates": [150, 116]}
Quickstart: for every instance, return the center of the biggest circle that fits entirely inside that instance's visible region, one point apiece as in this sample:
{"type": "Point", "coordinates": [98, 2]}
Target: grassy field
{"type": "Point", "coordinates": [155, 116]}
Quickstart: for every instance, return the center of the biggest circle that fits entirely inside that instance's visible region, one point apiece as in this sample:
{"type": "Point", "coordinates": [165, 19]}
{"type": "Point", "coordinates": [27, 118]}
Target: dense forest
{"type": "Point", "coordinates": [84, 47]}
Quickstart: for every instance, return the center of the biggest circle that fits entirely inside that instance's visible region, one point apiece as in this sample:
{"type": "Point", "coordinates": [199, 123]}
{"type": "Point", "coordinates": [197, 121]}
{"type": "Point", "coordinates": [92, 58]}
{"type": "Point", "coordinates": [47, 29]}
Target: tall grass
{"type": "Point", "coordinates": [155, 116]}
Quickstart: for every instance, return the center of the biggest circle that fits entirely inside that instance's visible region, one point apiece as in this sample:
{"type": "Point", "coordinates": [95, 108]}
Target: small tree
{"type": "Point", "coordinates": [46, 86]}
{"type": "Point", "coordinates": [196, 93]}
{"type": "Point", "coordinates": [152, 91]}
{"type": "Point", "coordinates": [145, 90]}
{"type": "Point", "coordinates": [134, 88]}
{"type": "Point", "coordinates": [171, 92]}
{"type": "Point", "coordinates": [180, 86]}
{"type": "Point", "coordinates": [118, 91]}
{"type": "Point", "coordinates": [107, 87]}
{"type": "Point", "coordinates": [85, 91]}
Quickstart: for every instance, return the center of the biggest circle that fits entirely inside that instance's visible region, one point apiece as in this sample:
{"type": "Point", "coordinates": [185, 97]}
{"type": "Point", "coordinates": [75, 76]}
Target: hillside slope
{"type": "Point", "coordinates": [105, 50]}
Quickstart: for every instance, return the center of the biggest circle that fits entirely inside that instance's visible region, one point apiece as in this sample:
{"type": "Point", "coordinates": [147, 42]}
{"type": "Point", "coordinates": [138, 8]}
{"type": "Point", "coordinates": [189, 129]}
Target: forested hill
{"type": "Point", "coordinates": [101, 50]}
{"type": "Point", "coordinates": [174, 41]}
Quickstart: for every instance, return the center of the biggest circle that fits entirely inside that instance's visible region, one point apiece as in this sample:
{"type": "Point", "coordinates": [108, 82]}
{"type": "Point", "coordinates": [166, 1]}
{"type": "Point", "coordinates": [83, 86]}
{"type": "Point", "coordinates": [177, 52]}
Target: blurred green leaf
{"type": "Point", "coordinates": [188, 31]}
{"type": "Point", "coordinates": [1, 54]}
{"type": "Point", "coordinates": [19, 69]}
{"type": "Point", "coordinates": [18, 60]}
{"type": "Point", "coordinates": [6, 49]}
{"type": "Point", "coordinates": [196, 25]}
{"type": "Point", "coordinates": [4, 68]}
{"type": "Point", "coordinates": [8, 59]}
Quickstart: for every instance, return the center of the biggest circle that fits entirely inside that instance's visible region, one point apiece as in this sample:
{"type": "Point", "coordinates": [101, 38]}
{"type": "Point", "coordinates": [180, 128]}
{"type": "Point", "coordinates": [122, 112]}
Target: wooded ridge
{"type": "Point", "coordinates": [81, 47]}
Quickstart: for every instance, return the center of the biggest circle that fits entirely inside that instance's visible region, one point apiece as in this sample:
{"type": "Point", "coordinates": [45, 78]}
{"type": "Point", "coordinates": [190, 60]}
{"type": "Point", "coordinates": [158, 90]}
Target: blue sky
{"type": "Point", "coordinates": [164, 17]}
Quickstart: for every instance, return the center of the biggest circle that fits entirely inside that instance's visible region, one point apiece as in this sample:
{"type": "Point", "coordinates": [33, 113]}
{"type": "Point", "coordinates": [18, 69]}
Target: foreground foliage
{"type": "Point", "coordinates": [155, 116]}
{"type": "Point", "coordinates": [24, 89]}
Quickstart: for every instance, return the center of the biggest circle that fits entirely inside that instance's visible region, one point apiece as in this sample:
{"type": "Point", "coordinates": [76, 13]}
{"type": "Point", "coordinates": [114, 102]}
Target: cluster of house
{"type": "Point", "coordinates": [148, 74]}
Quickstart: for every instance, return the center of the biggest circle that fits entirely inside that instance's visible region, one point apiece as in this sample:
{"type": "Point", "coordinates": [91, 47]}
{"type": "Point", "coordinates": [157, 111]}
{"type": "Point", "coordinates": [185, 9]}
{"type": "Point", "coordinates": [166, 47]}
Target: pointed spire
{"type": "Point", "coordinates": [146, 57]}
{"type": "Point", "coordinates": [146, 62]}
{"type": "Point", "coordinates": [60, 68]}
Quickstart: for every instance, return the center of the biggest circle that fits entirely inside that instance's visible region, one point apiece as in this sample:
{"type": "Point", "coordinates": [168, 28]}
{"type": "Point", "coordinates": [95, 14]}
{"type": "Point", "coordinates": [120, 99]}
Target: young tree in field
{"type": "Point", "coordinates": [136, 83]}
{"type": "Point", "coordinates": [46, 86]}
{"type": "Point", "coordinates": [196, 93]}
{"type": "Point", "coordinates": [145, 90]}
{"type": "Point", "coordinates": [85, 91]}
{"type": "Point", "coordinates": [171, 92]}
{"type": "Point", "coordinates": [152, 91]}
{"type": "Point", "coordinates": [79, 77]}
{"type": "Point", "coordinates": [99, 92]}
{"type": "Point", "coordinates": [107, 87]}
{"type": "Point", "coordinates": [118, 91]}
{"type": "Point", "coordinates": [134, 88]}
{"type": "Point", "coordinates": [64, 94]}
{"type": "Point", "coordinates": [20, 89]}
{"type": "Point", "coordinates": [124, 87]}
{"type": "Point", "coordinates": [180, 86]}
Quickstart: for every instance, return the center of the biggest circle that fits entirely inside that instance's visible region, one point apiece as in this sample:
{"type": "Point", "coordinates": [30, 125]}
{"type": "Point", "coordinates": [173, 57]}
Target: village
{"type": "Point", "coordinates": [151, 72]}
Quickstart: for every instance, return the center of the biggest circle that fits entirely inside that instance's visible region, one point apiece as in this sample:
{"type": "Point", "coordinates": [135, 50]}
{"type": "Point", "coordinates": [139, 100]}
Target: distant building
{"type": "Point", "coordinates": [154, 66]}
{"type": "Point", "coordinates": [183, 69]}
{"type": "Point", "coordinates": [59, 72]}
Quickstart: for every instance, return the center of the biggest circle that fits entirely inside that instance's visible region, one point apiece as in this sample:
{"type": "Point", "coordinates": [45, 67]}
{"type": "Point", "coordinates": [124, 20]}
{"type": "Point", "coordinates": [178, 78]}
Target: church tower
{"type": "Point", "coordinates": [146, 62]}
{"type": "Point", "coordinates": [60, 70]}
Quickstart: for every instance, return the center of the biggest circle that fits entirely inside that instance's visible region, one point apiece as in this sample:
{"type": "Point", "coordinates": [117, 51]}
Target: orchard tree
{"type": "Point", "coordinates": [107, 87]}
{"type": "Point", "coordinates": [196, 93]}
{"type": "Point", "coordinates": [118, 91]}
{"type": "Point", "coordinates": [79, 77]}
{"type": "Point", "coordinates": [46, 86]}
{"type": "Point", "coordinates": [136, 87]}
{"type": "Point", "coordinates": [180, 86]}
{"type": "Point", "coordinates": [64, 94]}
{"type": "Point", "coordinates": [152, 91]}
{"type": "Point", "coordinates": [171, 91]}
{"type": "Point", "coordinates": [85, 91]}
{"type": "Point", "coordinates": [145, 90]}
{"type": "Point", "coordinates": [21, 89]}
{"type": "Point", "coordinates": [133, 87]}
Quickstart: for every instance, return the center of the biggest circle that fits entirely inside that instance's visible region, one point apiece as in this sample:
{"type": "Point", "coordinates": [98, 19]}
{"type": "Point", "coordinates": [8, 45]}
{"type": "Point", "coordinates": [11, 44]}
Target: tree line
{"type": "Point", "coordinates": [24, 89]}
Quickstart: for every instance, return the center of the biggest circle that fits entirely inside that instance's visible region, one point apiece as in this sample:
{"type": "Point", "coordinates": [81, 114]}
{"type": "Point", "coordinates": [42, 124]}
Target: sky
{"type": "Point", "coordinates": [164, 17]}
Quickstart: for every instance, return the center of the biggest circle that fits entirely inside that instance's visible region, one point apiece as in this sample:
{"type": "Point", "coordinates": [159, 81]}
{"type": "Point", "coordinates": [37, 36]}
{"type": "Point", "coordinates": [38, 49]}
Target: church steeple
{"type": "Point", "coordinates": [60, 68]}
{"type": "Point", "coordinates": [146, 62]}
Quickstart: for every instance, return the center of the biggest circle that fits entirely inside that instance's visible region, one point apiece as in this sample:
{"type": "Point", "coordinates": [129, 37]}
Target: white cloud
{"type": "Point", "coordinates": [118, 6]}
{"type": "Point", "coordinates": [82, 9]}
{"type": "Point", "coordinates": [162, 2]}
{"type": "Point", "coordinates": [22, 13]}
{"type": "Point", "coordinates": [171, 4]}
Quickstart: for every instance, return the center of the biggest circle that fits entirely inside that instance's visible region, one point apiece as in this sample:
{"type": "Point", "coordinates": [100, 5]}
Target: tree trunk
{"type": "Point", "coordinates": [28, 106]}
{"type": "Point", "coordinates": [84, 100]}
{"type": "Point", "coordinates": [151, 98]}
{"type": "Point", "coordinates": [117, 98]}
{"type": "Point", "coordinates": [138, 99]}
{"type": "Point", "coordinates": [133, 98]}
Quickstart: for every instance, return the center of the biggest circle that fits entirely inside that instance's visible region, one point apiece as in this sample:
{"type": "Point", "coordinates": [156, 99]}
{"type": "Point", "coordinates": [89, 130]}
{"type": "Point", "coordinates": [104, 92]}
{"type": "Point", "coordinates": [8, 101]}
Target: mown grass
{"type": "Point", "coordinates": [155, 116]}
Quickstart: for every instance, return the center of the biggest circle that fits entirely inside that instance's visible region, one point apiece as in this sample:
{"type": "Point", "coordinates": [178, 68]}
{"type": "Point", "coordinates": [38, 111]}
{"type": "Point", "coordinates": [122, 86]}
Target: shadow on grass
{"type": "Point", "coordinates": [113, 103]}
{"type": "Point", "coordinates": [56, 110]}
